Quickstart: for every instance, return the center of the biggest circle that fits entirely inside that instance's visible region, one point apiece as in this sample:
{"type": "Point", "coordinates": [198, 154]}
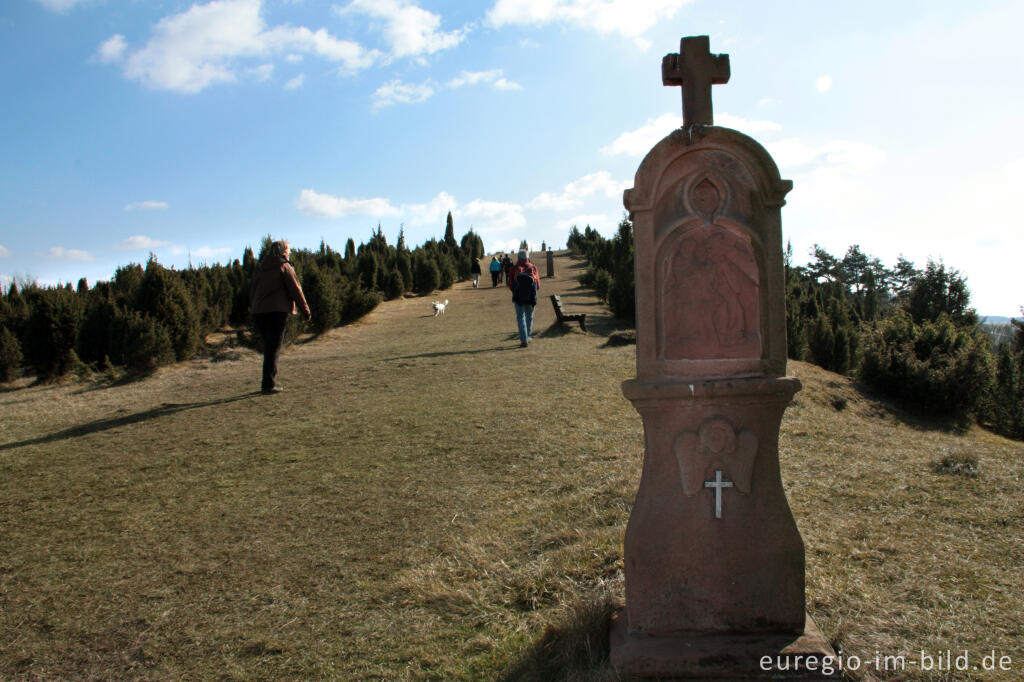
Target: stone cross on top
{"type": "Point", "coordinates": [696, 69]}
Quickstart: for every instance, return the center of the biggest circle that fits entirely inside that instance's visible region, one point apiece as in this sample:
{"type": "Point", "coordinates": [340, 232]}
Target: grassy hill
{"type": "Point", "coordinates": [426, 500]}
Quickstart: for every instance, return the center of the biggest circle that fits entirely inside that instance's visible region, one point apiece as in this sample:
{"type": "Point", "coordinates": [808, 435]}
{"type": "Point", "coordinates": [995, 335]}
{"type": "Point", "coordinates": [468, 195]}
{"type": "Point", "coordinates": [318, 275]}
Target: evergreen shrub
{"type": "Point", "coordinates": [10, 356]}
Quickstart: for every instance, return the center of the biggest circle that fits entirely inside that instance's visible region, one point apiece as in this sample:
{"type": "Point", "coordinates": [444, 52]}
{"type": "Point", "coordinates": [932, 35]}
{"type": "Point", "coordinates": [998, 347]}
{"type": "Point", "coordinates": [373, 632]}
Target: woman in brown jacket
{"type": "Point", "coordinates": [275, 293]}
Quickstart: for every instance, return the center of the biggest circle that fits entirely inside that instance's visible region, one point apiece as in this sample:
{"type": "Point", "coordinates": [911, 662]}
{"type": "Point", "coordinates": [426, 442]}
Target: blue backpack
{"type": "Point", "coordinates": [524, 289]}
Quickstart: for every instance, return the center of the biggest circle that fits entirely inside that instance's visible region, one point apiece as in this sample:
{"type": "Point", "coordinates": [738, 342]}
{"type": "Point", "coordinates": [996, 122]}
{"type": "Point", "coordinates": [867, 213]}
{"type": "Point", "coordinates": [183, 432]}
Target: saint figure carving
{"type": "Point", "coordinates": [710, 297]}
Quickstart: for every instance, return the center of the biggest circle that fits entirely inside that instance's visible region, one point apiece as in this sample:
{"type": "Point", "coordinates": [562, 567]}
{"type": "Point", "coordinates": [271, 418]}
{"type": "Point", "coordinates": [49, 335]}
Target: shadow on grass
{"type": "Point", "coordinates": [906, 413]}
{"type": "Point", "coordinates": [574, 649]}
{"type": "Point", "coordinates": [105, 424]}
{"type": "Point", "coordinates": [447, 353]}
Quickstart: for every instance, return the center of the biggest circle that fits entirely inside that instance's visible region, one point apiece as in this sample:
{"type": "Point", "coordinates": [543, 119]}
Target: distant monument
{"type": "Point", "coordinates": [714, 563]}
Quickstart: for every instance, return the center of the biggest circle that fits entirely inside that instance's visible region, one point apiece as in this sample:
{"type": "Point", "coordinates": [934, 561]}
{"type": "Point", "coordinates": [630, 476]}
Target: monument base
{"type": "Point", "coordinates": [724, 657]}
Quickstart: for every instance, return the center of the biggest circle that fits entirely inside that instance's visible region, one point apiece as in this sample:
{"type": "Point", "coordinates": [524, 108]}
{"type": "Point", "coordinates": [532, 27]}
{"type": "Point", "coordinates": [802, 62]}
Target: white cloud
{"type": "Point", "coordinates": [847, 155]}
{"type": "Point", "coordinates": [295, 83]}
{"type": "Point", "coordinates": [409, 30]}
{"type": "Point", "coordinates": [505, 84]}
{"type": "Point", "coordinates": [575, 192]}
{"type": "Point", "coordinates": [327, 206]}
{"type": "Point", "coordinates": [823, 83]}
{"type": "Point", "coordinates": [4, 251]}
{"type": "Point", "coordinates": [59, 5]}
{"type": "Point", "coordinates": [352, 56]}
{"type": "Point", "coordinates": [630, 18]}
{"type": "Point", "coordinates": [395, 91]}
{"type": "Point", "coordinates": [210, 252]}
{"type": "Point", "coordinates": [67, 254]}
{"type": "Point", "coordinates": [203, 45]}
{"type": "Point", "coordinates": [638, 142]}
{"type": "Point", "coordinates": [745, 125]}
{"type": "Point", "coordinates": [493, 216]}
{"type": "Point", "coordinates": [595, 220]}
{"type": "Point", "coordinates": [154, 205]}
{"type": "Point", "coordinates": [482, 215]}
{"type": "Point", "coordinates": [504, 246]}
{"type": "Point", "coordinates": [474, 77]}
{"type": "Point", "coordinates": [434, 211]}
{"type": "Point", "coordinates": [262, 72]}
{"type": "Point", "coordinates": [141, 242]}
{"type": "Point", "coordinates": [493, 77]}
{"type": "Point", "coordinates": [293, 58]}
{"type": "Point", "coordinates": [112, 49]}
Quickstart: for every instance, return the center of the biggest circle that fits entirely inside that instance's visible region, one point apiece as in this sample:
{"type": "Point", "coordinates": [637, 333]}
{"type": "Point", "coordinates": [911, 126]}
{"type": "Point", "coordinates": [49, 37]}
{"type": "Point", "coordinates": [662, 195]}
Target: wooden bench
{"type": "Point", "coordinates": [563, 317]}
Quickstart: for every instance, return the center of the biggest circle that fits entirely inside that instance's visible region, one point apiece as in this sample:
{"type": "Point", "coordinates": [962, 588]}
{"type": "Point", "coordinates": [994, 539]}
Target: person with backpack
{"type": "Point", "coordinates": [506, 269]}
{"type": "Point", "coordinates": [524, 281]}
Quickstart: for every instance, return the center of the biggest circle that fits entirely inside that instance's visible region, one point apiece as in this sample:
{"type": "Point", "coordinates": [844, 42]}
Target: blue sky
{"type": "Point", "coordinates": [190, 130]}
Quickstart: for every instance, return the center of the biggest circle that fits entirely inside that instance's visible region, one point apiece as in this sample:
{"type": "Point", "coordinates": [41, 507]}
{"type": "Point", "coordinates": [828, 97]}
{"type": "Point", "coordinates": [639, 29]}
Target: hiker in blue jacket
{"type": "Point", "coordinates": [495, 271]}
{"type": "Point", "coordinates": [524, 281]}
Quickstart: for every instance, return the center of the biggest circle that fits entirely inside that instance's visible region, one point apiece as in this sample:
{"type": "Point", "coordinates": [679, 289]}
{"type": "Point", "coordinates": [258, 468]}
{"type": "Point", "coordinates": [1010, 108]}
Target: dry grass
{"type": "Point", "coordinates": [429, 501]}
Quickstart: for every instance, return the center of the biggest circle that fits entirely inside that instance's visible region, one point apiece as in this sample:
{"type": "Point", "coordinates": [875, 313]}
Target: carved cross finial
{"type": "Point", "coordinates": [696, 69]}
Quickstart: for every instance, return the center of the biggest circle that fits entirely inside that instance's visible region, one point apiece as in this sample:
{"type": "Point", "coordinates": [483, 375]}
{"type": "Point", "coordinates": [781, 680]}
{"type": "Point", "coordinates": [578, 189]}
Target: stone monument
{"type": "Point", "coordinates": [714, 563]}
{"type": "Point", "coordinates": [551, 262]}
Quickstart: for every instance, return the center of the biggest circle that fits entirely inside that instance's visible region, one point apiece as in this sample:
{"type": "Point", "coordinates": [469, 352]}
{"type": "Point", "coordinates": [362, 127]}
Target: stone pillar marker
{"type": "Point", "coordinates": [714, 563]}
{"type": "Point", "coordinates": [551, 262]}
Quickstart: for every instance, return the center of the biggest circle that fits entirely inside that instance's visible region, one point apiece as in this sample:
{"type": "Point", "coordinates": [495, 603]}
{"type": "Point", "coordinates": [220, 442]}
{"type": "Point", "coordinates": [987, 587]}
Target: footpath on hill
{"type": "Point", "coordinates": [200, 523]}
{"type": "Point", "coordinates": [427, 499]}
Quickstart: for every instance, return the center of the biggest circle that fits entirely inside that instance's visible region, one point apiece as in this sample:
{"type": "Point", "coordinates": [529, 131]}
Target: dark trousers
{"type": "Point", "coordinates": [271, 327]}
{"type": "Point", "coordinates": [494, 278]}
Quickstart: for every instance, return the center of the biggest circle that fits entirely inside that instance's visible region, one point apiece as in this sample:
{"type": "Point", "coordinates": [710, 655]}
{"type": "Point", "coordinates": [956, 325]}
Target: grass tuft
{"type": "Point", "coordinates": [957, 463]}
{"type": "Point", "coordinates": [575, 647]}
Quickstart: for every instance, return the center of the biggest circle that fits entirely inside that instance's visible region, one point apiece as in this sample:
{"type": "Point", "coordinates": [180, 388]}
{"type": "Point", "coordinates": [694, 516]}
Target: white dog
{"type": "Point", "coordinates": [439, 307]}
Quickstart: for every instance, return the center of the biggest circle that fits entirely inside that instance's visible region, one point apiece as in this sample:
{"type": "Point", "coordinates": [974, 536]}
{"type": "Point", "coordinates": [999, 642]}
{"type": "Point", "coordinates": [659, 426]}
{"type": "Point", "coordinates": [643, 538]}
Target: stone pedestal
{"type": "Point", "coordinates": [714, 563]}
{"type": "Point", "coordinates": [711, 545]}
{"type": "Point", "coordinates": [726, 656]}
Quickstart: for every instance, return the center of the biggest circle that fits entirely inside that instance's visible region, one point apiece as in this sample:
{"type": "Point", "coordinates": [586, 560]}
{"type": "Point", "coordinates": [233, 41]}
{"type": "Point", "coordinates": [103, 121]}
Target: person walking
{"type": "Point", "coordinates": [275, 294]}
{"type": "Point", "coordinates": [495, 268]}
{"type": "Point", "coordinates": [474, 270]}
{"type": "Point", "coordinates": [524, 281]}
{"type": "Point", "coordinates": [506, 268]}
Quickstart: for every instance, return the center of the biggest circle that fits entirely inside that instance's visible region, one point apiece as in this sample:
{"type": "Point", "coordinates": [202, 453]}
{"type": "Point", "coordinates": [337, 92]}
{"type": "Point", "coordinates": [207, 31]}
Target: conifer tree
{"type": "Point", "coordinates": [10, 356]}
{"type": "Point", "coordinates": [395, 285]}
{"type": "Point", "coordinates": [322, 296]}
{"type": "Point", "coordinates": [51, 332]}
{"type": "Point", "coordinates": [427, 276]}
{"type": "Point", "coordinates": [143, 343]}
{"type": "Point", "coordinates": [163, 296]}
{"type": "Point", "coordinates": [449, 235]}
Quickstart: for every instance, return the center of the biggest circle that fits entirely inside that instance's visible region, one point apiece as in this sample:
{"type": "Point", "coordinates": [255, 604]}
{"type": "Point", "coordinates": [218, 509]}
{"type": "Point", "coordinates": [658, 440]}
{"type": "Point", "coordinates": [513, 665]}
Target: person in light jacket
{"type": "Point", "coordinates": [274, 296]}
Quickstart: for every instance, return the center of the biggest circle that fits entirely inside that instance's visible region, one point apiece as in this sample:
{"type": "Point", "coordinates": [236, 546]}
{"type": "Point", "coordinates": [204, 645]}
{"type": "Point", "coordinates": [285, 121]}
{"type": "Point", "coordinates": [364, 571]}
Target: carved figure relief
{"type": "Point", "coordinates": [716, 445]}
{"type": "Point", "coordinates": [711, 295]}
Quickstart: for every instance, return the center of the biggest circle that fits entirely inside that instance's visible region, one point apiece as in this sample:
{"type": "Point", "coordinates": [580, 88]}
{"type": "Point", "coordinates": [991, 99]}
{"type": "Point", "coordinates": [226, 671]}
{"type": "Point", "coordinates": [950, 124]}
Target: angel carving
{"type": "Point", "coordinates": [715, 445]}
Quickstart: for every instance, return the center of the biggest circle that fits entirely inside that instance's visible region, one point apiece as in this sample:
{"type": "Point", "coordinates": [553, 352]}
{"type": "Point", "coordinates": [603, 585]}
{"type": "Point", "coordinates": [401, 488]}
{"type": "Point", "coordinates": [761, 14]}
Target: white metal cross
{"type": "Point", "coordinates": [718, 484]}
